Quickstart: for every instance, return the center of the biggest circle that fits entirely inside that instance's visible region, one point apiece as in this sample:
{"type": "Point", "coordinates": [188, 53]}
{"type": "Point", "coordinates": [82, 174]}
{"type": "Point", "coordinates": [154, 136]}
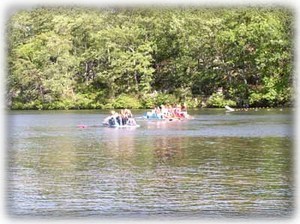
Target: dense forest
{"type": "Point", "coordinates": [87, 58]}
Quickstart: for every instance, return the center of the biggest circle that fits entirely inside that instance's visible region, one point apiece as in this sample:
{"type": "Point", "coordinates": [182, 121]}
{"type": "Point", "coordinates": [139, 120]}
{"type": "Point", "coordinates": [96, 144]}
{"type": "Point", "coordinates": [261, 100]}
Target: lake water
{"type": "Point", "coordinates": [220, 164]}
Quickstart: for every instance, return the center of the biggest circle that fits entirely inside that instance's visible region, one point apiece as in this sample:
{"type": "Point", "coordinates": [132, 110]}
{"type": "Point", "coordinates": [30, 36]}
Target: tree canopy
{"type": "Point", "coordinates": [74, 58]}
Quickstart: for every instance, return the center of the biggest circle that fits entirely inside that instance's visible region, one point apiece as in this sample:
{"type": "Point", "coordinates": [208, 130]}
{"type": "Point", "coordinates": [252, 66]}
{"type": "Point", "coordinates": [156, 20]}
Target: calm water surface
{"type": "Point", "coordinates": [217, 165]}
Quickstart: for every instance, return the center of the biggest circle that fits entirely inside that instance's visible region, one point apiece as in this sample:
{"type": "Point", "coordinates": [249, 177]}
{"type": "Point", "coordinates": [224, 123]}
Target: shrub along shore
{"type": "Point", "coordinates": [82, 58]}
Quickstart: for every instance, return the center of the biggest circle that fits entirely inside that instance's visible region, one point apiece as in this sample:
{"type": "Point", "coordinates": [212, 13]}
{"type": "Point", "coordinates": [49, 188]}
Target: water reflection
{"type": "Point", "coordinates": [119, 143]}
{"type": "Point", "coordinates": [168, 149]}
{"type": "Point", "coordinates": [118, 172]}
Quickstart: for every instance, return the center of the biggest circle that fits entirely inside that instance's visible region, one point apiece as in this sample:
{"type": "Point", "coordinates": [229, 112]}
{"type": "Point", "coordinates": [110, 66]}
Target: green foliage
{"type": "Point", "coordinates": [156, 99]}
{"type": "Point", "coordinates": [193, 102]}
{"type": "Point", "coordinates": [256, 55]}
{"type": "Point", "coordinates": [125, 101]}
{"type": "Point", "coordinates": [255, 99]}
{"type": "Point", "coordinates": [77, 58]}
{"type": "Point", "coordinates": [218, 100]}
{"type": "Point", "coordinates": [163, 98]}
{"type": "Point", "coordinates": [153, 100]}
{"type": "Point", "coordinates": [148, 101]}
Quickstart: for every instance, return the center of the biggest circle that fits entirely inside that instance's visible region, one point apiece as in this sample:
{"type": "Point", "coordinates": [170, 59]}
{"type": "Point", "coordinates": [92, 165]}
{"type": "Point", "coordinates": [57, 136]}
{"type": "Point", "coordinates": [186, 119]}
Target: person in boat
{"type": "Point", "coordinates": [109, 120]}
{"type": "Point", "coordinates": [154, 113]}
{"type": "Point", "coordinates": [158, 113]}
{"type": "Point", "coordinates": [185, 112]}
{"type": "Point", "coordinates": [130, 120]}
{"type": "Point", "coordinates": [113, 118]}
{"type": "Point", "coordinates": [170, 113]}
{"type": "Point", "coordinates": [128, 113]}
{"type": "Point", "coordinates": [119, 119]}
{"type": "Point", "coordinates": [164, 111]}
{"type": "Point", "coordinates": [177, 111]}
{"type": "Point", "coordinates": [124, 117]}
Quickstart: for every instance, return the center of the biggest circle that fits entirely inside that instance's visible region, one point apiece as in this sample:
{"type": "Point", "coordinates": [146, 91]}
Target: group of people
{"type": "Point", "coordinates": [124, 118]}
{"type": "Point", "coordinates": [169, 111]}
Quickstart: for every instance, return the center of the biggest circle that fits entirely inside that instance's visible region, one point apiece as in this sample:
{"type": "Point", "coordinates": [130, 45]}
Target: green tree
{"type": "Point", "coordinates": [99, 58]}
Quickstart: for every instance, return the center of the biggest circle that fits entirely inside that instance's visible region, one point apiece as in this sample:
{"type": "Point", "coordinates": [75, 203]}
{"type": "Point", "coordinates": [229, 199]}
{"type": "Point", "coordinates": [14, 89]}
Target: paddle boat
{"type": "Point", "coordinates": [113, 123]}
{"type": "Point", "coordinates": [167, 115]}
{"type": "Point", "coordinates": [116, 120]}
{"type": "Point", "coordinates": [153, 115]}
{"type": "Point", "coordinates": [123, 126]}
{"type": "Point", "coordinates": [122, 120]}
{"type": "Point", "coordinates": [168, 112]}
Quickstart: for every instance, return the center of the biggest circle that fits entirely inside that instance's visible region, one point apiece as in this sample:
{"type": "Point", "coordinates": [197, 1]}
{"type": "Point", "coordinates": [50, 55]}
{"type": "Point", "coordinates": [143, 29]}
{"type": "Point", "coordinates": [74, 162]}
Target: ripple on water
{"type": "Point", "coordinates": [216, 166]}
